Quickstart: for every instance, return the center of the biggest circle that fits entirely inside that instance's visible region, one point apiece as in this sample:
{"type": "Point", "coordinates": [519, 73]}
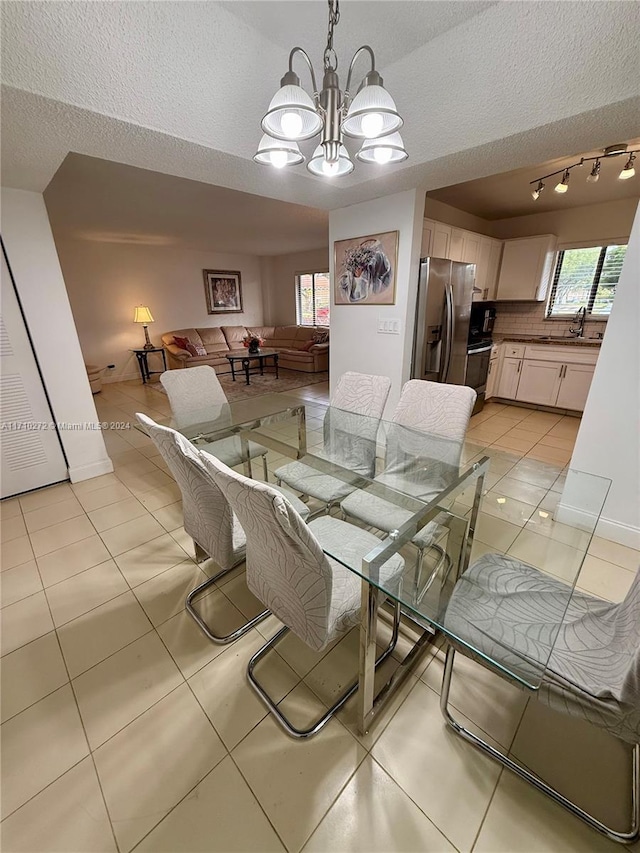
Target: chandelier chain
{"type": "Point", "coordinates": [330, 57]}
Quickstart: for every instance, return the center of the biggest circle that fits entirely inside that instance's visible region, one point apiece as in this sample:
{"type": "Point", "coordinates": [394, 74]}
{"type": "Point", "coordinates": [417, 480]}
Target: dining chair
{"type": "Point", "coordinates": [350, 429]}
{"type": "Point", "coordinates": [208, 518]}
{"type": "Point", "coordinates": [316, 597]}
{"type": "Point", "coordinates": [196, 396]}
{"type": "Point", "coordinates": [429, 423]}
{"type": "Point", "coordinates": [507, 610]}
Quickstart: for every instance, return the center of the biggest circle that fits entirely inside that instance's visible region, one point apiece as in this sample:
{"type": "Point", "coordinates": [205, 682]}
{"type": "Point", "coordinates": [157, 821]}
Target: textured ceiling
{"type": "Point", "coordinates": [509, 194]}
{"type": "Point", "coordinates": [100, 201]}
{"type": "Point", "coordinates": [180, 87]}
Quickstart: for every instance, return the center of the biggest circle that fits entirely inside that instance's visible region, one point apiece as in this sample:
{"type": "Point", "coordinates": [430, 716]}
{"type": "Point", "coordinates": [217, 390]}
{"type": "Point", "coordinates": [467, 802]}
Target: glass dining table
{"type": "Point", "coordinates": [422, 494]}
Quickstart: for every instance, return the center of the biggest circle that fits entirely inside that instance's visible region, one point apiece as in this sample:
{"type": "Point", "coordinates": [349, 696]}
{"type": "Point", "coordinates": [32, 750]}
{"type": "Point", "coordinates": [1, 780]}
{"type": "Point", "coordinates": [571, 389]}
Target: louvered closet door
{"type": "Point", "coordinates": [30, 457]}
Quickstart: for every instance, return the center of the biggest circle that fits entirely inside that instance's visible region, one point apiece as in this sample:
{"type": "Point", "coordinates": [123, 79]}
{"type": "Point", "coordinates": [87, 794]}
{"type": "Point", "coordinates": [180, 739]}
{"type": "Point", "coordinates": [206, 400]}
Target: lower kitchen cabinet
{"type": "Point", "coordinates": [540, 382]}
{"type": "Point", "coordinates": [492, 378]}
{"type": "Point", "coordinates": [574, 386]}
{"type": "Point", "coordinates": [509, 376]}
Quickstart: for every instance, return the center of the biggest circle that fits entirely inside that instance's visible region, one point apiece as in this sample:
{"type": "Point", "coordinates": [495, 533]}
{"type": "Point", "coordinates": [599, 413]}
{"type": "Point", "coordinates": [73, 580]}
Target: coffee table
{"type": "Point", "coordinates": [245, 357]}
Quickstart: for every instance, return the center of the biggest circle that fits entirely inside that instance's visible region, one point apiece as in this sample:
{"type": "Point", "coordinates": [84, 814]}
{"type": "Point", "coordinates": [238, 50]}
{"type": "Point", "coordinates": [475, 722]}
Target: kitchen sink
{"type": "Point", "coordinates": [557, 338]}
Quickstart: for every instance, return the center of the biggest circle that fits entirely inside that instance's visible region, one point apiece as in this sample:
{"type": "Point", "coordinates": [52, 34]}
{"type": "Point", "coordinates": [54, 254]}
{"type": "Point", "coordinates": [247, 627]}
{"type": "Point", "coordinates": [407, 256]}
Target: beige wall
{"type": "Point", "coordinates": [610, 221]}
{"type": "Point", "coordinates": [106, 280]}
{"type": "Point", "coordinates": [441, 212]}
{"type": "Point", "coordinates": [279, 273]}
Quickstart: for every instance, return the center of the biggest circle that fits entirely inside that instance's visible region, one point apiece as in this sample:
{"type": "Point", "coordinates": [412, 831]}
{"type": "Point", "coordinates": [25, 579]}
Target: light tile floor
{"type": "Point", "coordinates": [124, 728]}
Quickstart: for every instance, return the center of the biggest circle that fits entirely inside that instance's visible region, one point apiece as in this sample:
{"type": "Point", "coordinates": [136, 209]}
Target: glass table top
{"type": "Point", "coordinates": [425, 492]}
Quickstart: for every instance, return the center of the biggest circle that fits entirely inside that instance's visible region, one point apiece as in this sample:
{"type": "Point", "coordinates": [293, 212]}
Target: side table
{"type": "Point", "coordinates": [143, 364]}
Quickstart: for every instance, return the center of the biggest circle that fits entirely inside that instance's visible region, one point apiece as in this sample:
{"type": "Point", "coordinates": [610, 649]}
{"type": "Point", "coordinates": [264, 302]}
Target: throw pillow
{"type": "Point", "coordinates": [307, 346]}
{"type": "Point", "coordinates": [321, 336]}
{"type": "Point", "coordinates": [192, 349]}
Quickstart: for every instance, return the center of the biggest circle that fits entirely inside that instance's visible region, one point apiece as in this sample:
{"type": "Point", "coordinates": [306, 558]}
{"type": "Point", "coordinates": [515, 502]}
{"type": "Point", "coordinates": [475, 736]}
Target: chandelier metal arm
{"type": "Point", "coordinates": [304, 53]}
{"type": "Point", "coordinates": [579, 163]}
{"type": "Point", "coordinates": [365, 48]}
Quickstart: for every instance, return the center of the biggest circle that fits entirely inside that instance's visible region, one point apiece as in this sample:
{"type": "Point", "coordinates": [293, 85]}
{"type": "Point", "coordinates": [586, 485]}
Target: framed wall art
{"type": "Point", "coordinates": [365, 269]}
{"type": "Point", "coordinates": [223, 291]}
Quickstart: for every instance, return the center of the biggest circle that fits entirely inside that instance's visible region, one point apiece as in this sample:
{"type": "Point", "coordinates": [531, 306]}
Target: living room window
{"type": "Point", "coordinates": [585, 278]}
{"type": "Point", "coordinates": [312, 299]}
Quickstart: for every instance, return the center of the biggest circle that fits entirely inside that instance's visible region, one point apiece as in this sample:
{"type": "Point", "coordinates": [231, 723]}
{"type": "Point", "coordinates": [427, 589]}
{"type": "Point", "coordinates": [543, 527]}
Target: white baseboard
{"type": "Point", "coordinates": [121, 377]}
{"type": "Point", "coordinates": [606, 528]}
{"type": "Point", "coordinates": [87, 472]}
{"type": "Point", "coordinates": [623, 534]}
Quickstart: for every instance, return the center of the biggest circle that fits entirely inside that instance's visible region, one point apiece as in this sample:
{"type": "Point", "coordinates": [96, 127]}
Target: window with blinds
{"type": "Point", "coordinates": [585, 278]}
{"type": "Point", "coordinates": [312, 299]}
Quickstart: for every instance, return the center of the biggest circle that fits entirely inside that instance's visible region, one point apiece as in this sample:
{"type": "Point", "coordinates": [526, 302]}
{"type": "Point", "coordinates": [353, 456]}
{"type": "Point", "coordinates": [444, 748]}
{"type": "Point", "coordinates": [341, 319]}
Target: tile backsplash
{"type": "Point", "coordinates": [527, 318]}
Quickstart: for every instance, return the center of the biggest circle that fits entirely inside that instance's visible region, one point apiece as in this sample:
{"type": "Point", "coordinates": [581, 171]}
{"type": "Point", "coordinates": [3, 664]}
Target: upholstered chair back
{"type": "Point", "coordinates": [286, 567]}
{"type": "Point", "coordinates": [351, 424]}
{"type": "Point", "coordinates": [195, 395]}
{"type": "Point", "coordinates": [208, 518]}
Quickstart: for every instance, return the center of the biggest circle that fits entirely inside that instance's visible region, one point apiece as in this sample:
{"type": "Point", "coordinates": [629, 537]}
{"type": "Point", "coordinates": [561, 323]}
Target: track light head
{"type": "Point", "coordinates": [563, 186]}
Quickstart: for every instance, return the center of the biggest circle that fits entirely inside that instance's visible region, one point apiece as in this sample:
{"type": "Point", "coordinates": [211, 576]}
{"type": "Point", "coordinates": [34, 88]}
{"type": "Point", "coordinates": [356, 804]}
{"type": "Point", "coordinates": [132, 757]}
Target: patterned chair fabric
{"type": "Point", "coordinates": [208, 518]}
{"type": "Point", "coordinates": [197, 397]}
{"type": "Point", "coordinates": [520, 616]}
{"type": "Point", "coordinates": [313, 594]}
{"type": "Point", "coordinates": [349, 430]}
{"type": "Point", "coordinates": [439, 412]}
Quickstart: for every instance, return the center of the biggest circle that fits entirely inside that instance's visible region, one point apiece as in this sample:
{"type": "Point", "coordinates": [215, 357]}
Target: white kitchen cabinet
{"type": "Point", "coordinates": [487, 265]}
{"type": "Point", "coordinates": [456, 247]}
{"type": "Point", "coordinates": [539, 382]}
{"type": "Point", "coordinates": [574, 386]}
{"type": "Point", "coordinates": [492, 377]}
{"type": "Point", "coordinates": [525, 271]}
{"type": "Point", "coordinates": [436, 239]}
{"type": "Point", "coordinates": [509, 376]}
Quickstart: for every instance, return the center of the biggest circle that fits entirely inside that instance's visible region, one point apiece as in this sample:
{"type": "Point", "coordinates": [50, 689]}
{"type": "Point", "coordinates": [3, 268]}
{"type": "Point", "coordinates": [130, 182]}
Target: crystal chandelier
{"type": "Point", "coordinates": [294, 116]}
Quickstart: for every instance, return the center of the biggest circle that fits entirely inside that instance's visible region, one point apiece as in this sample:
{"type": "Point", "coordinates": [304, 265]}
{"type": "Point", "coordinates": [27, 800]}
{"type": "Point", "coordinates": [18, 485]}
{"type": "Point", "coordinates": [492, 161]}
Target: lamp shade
{"type": "Point", "coordinates": [141, 314]}
{"type": "Point", "coordinates": [317, 165]}
{"type": "Point", "coordinates": [278, 152]}
{"type": "Point", "coordinates": [388, 149]}
{"type": "Point", "coordinates": [372, 114]}
{"type": "Point", "coordinates": [291, 115]}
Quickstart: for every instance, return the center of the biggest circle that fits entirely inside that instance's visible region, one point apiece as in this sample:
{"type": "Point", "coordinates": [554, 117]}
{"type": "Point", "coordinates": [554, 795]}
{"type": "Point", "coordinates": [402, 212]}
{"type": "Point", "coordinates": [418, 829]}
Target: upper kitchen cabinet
{"type": "Point", "coordinates": [456, 244]}
{"type": "Point", "coordinates": [527, 264]}
{"type": "Point", "coordinates": [436, 240]}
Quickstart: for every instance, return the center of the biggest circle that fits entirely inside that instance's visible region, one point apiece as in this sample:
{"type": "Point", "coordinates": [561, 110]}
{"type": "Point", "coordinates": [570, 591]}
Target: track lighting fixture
{"type": "Point", "coordinates": [594, 174]}
{"type": "Point", "coordinates": [562, 186]}
{"type": "Point", "coordinates": [535, 194]}
{"type": "Point", "coordinates": [629, 170]}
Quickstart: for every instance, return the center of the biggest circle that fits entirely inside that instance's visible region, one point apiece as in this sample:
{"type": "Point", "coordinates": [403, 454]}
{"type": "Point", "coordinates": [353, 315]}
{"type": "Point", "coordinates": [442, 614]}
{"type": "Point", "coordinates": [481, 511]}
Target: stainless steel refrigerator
{"type": "Point", "coordinates": [445, 291]}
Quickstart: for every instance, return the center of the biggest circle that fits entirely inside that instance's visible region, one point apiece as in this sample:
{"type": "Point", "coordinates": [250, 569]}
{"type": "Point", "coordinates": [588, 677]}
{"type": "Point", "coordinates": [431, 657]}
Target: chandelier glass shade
{"type": "Point", "coordinates": [386, 149]}
{"type": "Point", "coordinates": [294, 116]}
{"type": "Point", "coordinates": [278, 152]}
{"type": "Point", "coordinates": [318, 165]}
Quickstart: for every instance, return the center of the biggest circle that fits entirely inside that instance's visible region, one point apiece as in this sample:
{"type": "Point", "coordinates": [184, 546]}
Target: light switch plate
{"type": "Point", "coordinates": [388, 326]}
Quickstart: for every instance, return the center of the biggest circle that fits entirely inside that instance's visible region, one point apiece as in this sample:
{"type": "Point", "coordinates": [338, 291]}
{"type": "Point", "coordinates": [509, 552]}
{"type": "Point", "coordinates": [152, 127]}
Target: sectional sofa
{"type": "Point", "coordinates": [298, 350]}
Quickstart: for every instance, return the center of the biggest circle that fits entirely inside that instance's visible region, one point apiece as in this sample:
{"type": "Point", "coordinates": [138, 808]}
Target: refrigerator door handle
{"type": "Point", "coordinates": [449, 330]}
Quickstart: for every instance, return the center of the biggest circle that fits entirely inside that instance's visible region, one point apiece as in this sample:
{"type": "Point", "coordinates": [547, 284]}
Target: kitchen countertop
{"type": "Point", "coordinates": [535, 339]}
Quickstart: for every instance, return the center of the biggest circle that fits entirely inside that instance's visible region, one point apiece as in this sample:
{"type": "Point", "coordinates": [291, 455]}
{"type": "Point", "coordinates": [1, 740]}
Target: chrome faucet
{"type": "Point", "coordinates": [579, 319]}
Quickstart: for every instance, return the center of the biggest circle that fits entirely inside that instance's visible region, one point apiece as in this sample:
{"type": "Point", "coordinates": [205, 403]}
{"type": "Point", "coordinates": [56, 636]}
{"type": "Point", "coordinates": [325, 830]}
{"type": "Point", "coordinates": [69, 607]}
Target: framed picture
{"type": "Point", "coordinates": [223, 291]}
{"type": "Point", "coordinates": [365, 269]}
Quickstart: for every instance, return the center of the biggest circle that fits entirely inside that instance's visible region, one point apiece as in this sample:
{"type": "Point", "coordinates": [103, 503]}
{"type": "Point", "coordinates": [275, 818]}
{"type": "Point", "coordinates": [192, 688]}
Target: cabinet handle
{"type": "Point", "coordinates": [485, 293]}
{"type": "Point", "coordinates": [519, 367]}
{"type": "Point", "coordinates": [489, 371]}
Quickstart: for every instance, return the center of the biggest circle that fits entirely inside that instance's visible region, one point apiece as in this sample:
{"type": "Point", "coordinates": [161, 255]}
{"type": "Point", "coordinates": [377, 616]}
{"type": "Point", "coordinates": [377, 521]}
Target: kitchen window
{"type": "Point", "coordinates": [585, 278]}
{"type": "Point", "coordinates": [312, 299]}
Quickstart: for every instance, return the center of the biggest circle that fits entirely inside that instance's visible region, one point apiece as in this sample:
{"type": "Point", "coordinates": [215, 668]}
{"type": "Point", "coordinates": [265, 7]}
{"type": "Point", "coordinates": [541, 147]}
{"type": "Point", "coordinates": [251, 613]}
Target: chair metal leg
{"type": "Point", "coordinates": [265, 469]}
{"type": "Point", "coordinates": [629, 837]}
{"type": "Point", "coordinates": [215, 638]}
{"type": "Point", "coordinates": [324, 719]}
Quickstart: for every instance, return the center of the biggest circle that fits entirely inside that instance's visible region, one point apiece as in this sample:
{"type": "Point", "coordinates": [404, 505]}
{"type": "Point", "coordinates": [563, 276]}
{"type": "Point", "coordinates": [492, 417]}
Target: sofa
{"type": "Point", "coordinates": [294, 343]}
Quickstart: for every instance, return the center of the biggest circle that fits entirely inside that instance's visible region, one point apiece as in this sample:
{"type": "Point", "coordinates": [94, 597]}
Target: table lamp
{"type": "Point", "coordinates": [141, 314]}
